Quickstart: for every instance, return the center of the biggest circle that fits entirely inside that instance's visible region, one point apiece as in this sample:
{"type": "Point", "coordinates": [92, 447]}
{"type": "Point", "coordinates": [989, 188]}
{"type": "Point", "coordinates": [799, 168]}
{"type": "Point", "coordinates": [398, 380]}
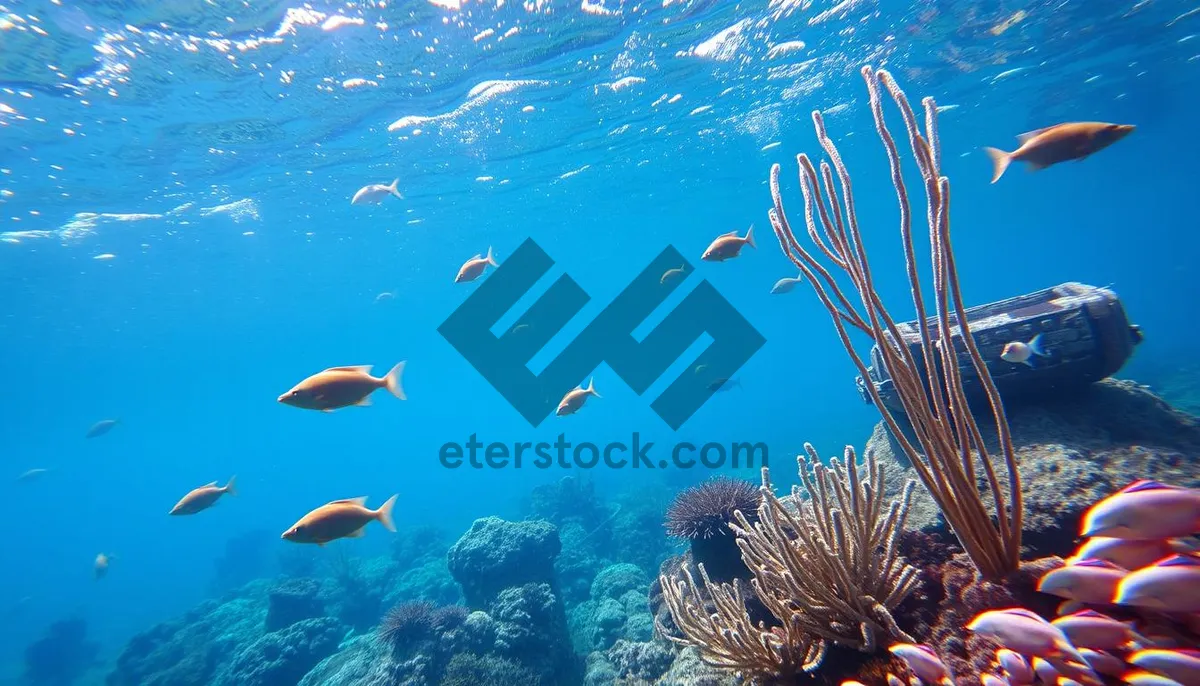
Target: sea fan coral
{"type": "Point", "coordinates": [407, 623]}
{"type": "Point", "coordinates": [705, 511]}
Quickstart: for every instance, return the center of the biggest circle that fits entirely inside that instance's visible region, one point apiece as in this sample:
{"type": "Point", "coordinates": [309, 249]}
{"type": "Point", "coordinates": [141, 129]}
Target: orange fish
{"type": "Point", "coordinates": [339, 519]}
{"type": "Point", "coordinates": [202, 498]}
{"type": "Point", "coordinates": [473, 268]}
{"type": "Point", "coordinates": [574, 400]}
{"type": "Point", "coordinates": [339, 387]}
{"type": "Point", "coordinates": [1058, 143]}
{"type": "Point", "coordinates": [729, 245]}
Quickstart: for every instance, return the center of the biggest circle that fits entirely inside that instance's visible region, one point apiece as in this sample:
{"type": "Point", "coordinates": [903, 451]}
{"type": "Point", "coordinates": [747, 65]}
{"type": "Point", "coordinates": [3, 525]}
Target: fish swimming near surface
{"type": "Point", "coordinates": [473, 268]}
{"type": "Point", "coordinates": [101, 427]}
{"type": "Point", "coordinates": [728, 246]}
{"type": "Point", "coordinates": [199, 499]}
{"type": "Point", "coordinates": [31, 474]}
{"type": "Point", "coordinates": [786, 285]}
{"type": "Point", "coordinates": [574, 400]}
{"type": "Point", "coordinates": [339, 387]}
{"type": "Point", "coordinates": [1018, 352]}
{"type": "Point", "coordinates": [339, 519]}
{"type": "Point", "coordinates": [1182, 665]}
{"type": "Point", "coordinates": [100, 565]}
{"type": "Point", "coordinates": [373, 194]}
{"type": "Point", "coordinates": [1058, 143]}
{"type": "Point", "coordinates": [1172, 585]}
{"type": "Point", "coordinates": [1145, 510]}
{"type": "Point", "coordinates": [1089, 581]}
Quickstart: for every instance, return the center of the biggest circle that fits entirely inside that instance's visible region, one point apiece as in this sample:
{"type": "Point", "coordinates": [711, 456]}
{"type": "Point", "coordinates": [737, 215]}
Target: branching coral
{"type": "Point", "coordinates": [928, 378]}
{"type": "Point", "coordinates": [828, 571]}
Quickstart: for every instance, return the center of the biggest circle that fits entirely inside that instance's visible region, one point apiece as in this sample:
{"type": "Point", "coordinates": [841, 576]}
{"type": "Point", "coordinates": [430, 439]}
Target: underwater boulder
{"type": "Point", "coordinates": [291, 601]}
{"type": "Point", "coordinates": [285, 656]}
{"type": "Point", "coordinates": [62, 655]}
{"type": "Point", "coordinates": [496, 554]}
{"type": "Point", "coordinates": [1073, 452]}
{"type": "Point", "coordinates": [531, 628]}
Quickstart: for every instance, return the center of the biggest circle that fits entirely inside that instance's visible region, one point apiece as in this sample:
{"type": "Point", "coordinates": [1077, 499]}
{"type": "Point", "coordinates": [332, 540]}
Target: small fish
{"type": "Point", "coordinates": [671, 274]}
{"type": "Point", "coordinates": [728, 246]}
{"type": "Point", "coordinates": [1090, 629]}
{"type": "Point", "coordinates": [373, 194]}
{"type": "Point", "coordinates": [1104, 663]}
{"type": "Point", "coordinates": [1088, 581]}
{"type": "Point", "coordinates": [199, 499]}
{"type": "Point", "coordinates": [923, 662]}
{"type": "Point", "coordinates": [992, 680]}
{"type": "Point", "coordinates": [724, 385]}
{"type": "Point", "coordinates": [1124, 553]}
{"type": "Point", "coordinates": [100, 566]}
{"type": "Point", "coordinates": [31, 474]}
{"type": "Point", "coordinates": [1046, 674]}
{"type": "Point", "coordinates": [101, 427]}
{"type": "Point", "coordinates": [1016, 668]}
{"type": "Point", "coordinates": [385, 296]}
{"type": "Point", "coordinates": [785, 285]}
{"type": "Point", "coordinates": [1020, 353]}
{"type": "Point", "coordinates": [1181, 665]}
{"type": "Point", "coordinates": [1150, 679]}
{"type": "Point", "coordinates": [1024, 632]}
{"type": "Point", "coordinates": [893, 680]}
{"type": "Point", "coordinates": [1144, 510]}
{"type": "Point", "coordinates": [1058, 143]}
{"type": "Point", "coordinates": [473, 268]}
{"type": "Point", "coordinates": [699, 368]}
{"type": "Point", "coordinates": [104, 257]}
{"type": "Point", "coordinates": [1172, 585]}
{"type": "Point", "coordinates": [519, 327]}
{"type": "Point", "coordinates": [339, 387]}
{"type": "Point", "coordinates": [339, 519]}
{"type": "Point", "coordinates": [574, 400]}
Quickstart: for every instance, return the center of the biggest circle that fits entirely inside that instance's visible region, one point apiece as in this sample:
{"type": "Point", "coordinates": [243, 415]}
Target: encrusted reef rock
{"type": "Point", "coordinates": [617, 610]}
{"type": "Point", "coordinates": [1073, 452]}
{"type": "Point", "coordinates": [496, 554]}
{"type": "Point", "coordinates": [291, 601]}
{"type": "Point", "coordinates": [284, 656]}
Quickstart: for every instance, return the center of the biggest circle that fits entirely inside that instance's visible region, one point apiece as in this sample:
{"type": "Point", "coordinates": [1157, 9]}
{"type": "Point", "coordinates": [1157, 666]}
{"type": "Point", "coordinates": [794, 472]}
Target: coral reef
{"type": "Point", "coordinates": [62, 655]}
{"type": "Point", "coordinates": [284, 656]}
{"type": "Point", "coordinates": [1076, 450]}
{"type": "Point", "coordinates": [617, 610]}
{"type": "Point", "coordinates": [291, 601]}
{"type": "Point", "coordinates": [496, 554]}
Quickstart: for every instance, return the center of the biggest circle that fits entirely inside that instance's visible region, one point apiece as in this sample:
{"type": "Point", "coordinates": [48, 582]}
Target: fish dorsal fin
{"type": "Point", "coordinates": [1102, 564]}
{"type": "Point", "coordinates": [210, 484]}
{"type": "Point", "coordinates": [361, 501]}
{"type": "Point", "coordinates": [731, 233]}
{"type": "Point", "coordinates": [1022, 612]}
{"type": "Point", "coordinates": [1024, 138]}
{"type": "Point", "coordinates": [1088, 613]}
{"type": "Point", "coordinates": [476, 258]}
{"type": "Point", "coordinates": [1179, 561]}
{"type": "Point", "coordinates": [1144, 485]}
{"type": "Point", "coordinates": [364, 368]}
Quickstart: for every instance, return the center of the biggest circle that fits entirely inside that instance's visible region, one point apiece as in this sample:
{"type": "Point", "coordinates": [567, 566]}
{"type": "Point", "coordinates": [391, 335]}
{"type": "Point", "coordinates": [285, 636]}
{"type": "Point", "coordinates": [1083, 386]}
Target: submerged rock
{"type": "Point", "coordinates": [1073, 452]}
{"type": "Point", "coordinates": [496, 554]}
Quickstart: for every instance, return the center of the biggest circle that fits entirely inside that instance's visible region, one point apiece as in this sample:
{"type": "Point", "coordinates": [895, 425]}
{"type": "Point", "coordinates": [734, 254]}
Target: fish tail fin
{"type": "Point", "coordinates": [394, 189]}
{"type": "Point", "coordinates": [229, 488]}
{"type": "Point", "coordinates": [393, 381]}
{"type": "Point", "coordinates": [1036, 347]}
{"type": "Point", "coordinates": [1000, 162]}
{"type": "Point", "coordinates": [750, 237]}
{"type": "Point", "coordinates": [491, 257]}
{"type": "Point", "coordinates": [592, 387]}
{"type": "Point", "coordinates": [384, 514]}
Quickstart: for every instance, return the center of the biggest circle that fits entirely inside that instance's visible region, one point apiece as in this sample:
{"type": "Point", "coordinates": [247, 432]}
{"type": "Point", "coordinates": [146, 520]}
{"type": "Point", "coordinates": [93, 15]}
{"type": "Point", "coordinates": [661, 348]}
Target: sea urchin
{"type": "Point", "coordinates": [705, 510]}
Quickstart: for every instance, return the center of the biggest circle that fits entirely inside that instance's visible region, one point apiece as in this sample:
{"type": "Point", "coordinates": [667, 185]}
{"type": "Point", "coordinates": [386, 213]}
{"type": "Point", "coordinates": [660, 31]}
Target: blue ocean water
{"type": "Point", "coordinates": [212, 149]}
